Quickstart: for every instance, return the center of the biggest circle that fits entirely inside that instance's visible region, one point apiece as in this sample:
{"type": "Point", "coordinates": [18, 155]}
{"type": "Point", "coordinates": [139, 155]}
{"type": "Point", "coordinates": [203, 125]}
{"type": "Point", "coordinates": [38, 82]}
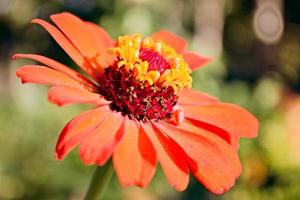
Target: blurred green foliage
{"type": "Point", "coordinates": [264, 78]}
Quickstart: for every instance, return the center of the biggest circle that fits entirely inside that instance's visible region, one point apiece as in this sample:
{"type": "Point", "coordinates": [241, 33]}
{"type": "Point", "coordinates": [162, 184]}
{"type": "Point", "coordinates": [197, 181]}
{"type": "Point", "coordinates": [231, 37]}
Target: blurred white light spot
{"type": "Point", "coordinates": [268, 23]}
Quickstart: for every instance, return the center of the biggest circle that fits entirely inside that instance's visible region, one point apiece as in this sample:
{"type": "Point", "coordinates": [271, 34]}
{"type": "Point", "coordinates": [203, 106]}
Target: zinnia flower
{"type": "Point", "coordinates": [144, 111]}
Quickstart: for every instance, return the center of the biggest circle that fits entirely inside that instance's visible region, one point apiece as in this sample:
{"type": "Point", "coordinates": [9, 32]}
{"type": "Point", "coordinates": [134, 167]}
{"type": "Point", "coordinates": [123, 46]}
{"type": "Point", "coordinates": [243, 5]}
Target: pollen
{"type": "Point", "coordinates": [152, 61]}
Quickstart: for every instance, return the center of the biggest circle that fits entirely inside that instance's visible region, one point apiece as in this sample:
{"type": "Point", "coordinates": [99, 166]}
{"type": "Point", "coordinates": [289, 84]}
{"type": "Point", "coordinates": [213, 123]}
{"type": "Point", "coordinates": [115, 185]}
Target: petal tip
{"type": "Point", "coordinates": [206, 60]}
{"type": "Point", "coordinates": [195, 60]}
{"type": "Point", "coordinates": [58, 156]}
{"type": "Point", "coordinates": [53, 17]}
{"type": "Point", "coordinates": [53, 100]}
{"type": "Point", "coordinates": [220, 191]}
{"type": "Point", "coordinates": [36, 21]}
{"type": "Point", "coordinates": [140, 184]}
{"type": "Point", "coordinates": [19, 73]}
{"type": "Point", "coordinates": [60, 152]}
{"type": "Point", "coordinates": [180, 188]}
{"type": "Point", "coordinates": [14, 57]}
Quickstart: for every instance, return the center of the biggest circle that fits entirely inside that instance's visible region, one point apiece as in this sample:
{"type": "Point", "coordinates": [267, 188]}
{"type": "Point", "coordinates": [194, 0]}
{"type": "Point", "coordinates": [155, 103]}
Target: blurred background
{"type": "Point", "coordinates": [256, 49]}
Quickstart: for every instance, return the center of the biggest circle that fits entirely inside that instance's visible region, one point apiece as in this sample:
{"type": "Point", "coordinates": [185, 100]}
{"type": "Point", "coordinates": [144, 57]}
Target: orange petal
{"type": "Point", "coordinates": [212, 161]}
{"type": "Point", "coordinates": [61, 96]}
{"type": "Point", "coordinates": [195, 61]}
{"type": "Point", "coordinates": [171, 157]}
{"type": "Point", "coordinates": [79, 128]}
{"type": "Point", "coordinates": [171, 39]}
{"type": "Point", "coordinates": [134, 159]}
{"type": "Point", "coordinates": [100, 144]}
{"type": "Point", "coordinates": [228, 117]}
{"type": "Point", "coordinates": [63, 42]}
{"type": "Point", "coordinates": [195, 98]}
{"type": "Point", "coordinates": [44, 75]}
{"type": "Point", "coordinates": [59, 67]}
{"type": "Point", "coordinates": [102, 42]}
{"type": "Point", "coordinates": [76, 31]}
{"type": "Point", "coordinates": [100, 36]}
{"type": "Point", "coordinates": [195, 126]}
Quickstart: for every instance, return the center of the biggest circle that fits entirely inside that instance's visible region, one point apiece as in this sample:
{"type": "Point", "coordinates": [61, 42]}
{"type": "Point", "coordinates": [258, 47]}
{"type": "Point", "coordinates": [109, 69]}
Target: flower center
{"type": "Point", "coordinates": [156, 62]}
{"type": "Point", "coordinates": [145, 78]}
{"type": "Point", "coordinates": [136, 99]}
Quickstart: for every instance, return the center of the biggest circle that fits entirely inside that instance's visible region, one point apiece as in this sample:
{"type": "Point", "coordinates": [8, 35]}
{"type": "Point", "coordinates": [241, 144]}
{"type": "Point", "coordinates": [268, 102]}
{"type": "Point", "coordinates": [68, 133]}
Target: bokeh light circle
{"type": "Point", "coordinates": [268, 23]}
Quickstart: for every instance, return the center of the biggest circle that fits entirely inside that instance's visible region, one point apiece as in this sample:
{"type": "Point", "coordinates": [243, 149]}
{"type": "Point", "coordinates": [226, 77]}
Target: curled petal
{"type": "Point", "coordinates": [79, 128]}
{"type": "Point", "coordinates": [100, 144]}
{"type": "Point", "coordinates": [62, 95]}
{"type": "Point", "coordinates": [59, 67]}
{"type": "Point", "coordinates": [212, 161]}
{"type": "Point", "coordinates": [228, 117]}
{"type": "Point", "coordinates": [195, 61]}
{"type": "Point", "coordinates": [195, 98]}
{"type": "Point", "coordinates": [171, 157]}
{"type": "Point", "coordinates": [171, 39]}
{"type": "Point", "coordinates": [44, 75]}
{"type": "Point", "coordinates": [135, 158]}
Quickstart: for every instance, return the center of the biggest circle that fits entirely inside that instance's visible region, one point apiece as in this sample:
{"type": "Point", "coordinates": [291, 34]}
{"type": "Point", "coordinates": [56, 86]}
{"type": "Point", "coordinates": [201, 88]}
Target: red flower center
{"type": "Point", "coordinates": [138, 100]}
{"type": "Point", "coordinates": [156, 61]}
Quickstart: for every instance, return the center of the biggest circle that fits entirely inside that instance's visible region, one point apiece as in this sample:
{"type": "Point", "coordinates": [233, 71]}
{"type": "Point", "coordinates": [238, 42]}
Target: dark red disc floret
{"type": "Point", "coordinates": [138, 100]}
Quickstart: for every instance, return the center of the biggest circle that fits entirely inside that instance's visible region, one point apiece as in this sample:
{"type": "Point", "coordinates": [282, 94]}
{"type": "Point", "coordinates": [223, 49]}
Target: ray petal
{"type": "Point", "coordinates": [212, 161]}
{"type": "Point", "coordinates": [62, 96]}
{"type": "Point", "coordinates": [100, 144]}
{"type": "Point", "coordinates": [45, 75]}
{"type": "Point", "coordinates": [76, 31]}
{"type": "Point", "coordinates": [171, 39]}
{"type": "Point", "coordinates": [59, 67]}
{"type": "Point", "coordinates": [171, 157]}
{"type": "Point", "coordinates": [79, 128]}
{"type": "Point", "coordinates": [64, 42]}
{"type": "Point", "coordinates": [134, 159]}
{"type": "Point", "coordinates": [195, 98]}
{"type": "Point", "coordinates": [194, 60]}
{"type": "Point", "coordinates": [102, 42]}
{"type": "Point", "coordinates": [101, 37]}
{"type": "Point", "coordinates": [226, 116]}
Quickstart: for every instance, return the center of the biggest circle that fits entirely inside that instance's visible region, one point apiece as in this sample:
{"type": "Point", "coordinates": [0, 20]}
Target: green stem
{"type": "Point", "coordinates": [99, 182]}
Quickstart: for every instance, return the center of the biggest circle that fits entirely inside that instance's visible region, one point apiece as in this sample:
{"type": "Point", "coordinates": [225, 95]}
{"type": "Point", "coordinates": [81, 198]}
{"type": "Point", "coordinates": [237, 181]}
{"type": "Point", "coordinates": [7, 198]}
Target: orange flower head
{"type": "Point", "coordinates": [145, 108]}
